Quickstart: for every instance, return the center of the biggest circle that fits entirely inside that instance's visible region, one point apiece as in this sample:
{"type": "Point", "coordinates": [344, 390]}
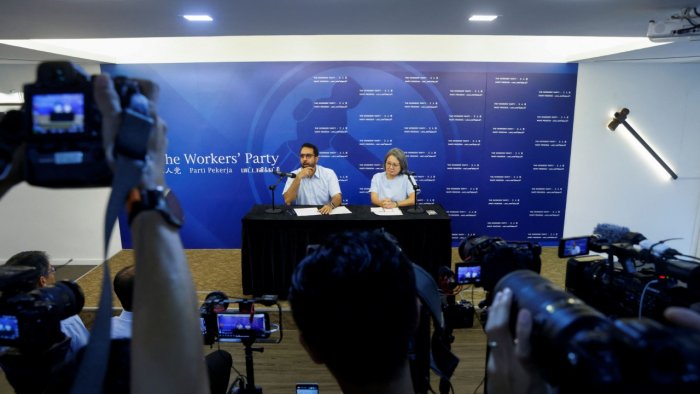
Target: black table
{"type": "Point", "coordinates": [273, 244]}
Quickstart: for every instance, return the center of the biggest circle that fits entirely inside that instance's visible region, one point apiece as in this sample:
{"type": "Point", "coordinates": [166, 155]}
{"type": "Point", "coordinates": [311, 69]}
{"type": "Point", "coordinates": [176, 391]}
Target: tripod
{"type": "Point", "coordinates": [248, 387]}
{"type": "Point", "coordinates": [272, 192]}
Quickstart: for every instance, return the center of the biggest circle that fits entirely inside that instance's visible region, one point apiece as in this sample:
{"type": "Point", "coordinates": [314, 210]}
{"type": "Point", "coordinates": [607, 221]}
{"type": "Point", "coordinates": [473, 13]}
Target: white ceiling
{"type": "Point", "coordinates": [533, 22]}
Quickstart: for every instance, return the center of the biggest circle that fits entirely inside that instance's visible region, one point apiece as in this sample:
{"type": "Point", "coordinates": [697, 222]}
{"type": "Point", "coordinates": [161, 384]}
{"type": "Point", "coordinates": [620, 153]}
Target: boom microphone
{"type": "Point", "coordinates": [407, 172]}
{"type": "Point", "coordinates": [287, 174]}
{"type": "Point", "coordinates": [612, 233]}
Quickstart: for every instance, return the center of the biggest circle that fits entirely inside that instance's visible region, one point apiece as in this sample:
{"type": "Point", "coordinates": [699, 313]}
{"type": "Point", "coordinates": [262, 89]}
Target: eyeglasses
{"type": "Point", "coordinates": [393, 164]}
{"type": "Point", "coordinates": [52, 269]}
{"type": "Point", "coordinates": [306, 155]}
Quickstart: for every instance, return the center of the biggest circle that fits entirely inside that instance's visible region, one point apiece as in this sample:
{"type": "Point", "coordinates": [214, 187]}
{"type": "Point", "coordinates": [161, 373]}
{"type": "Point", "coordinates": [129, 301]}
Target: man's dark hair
{"type": "Point", "coordinates": [309, 145]}
{"type": "Point", "coordinates": [354, 302]}
{"type": "Point", "coordinates": [124, 286]}
{"type": "Point", "coordinates": [36, 259]}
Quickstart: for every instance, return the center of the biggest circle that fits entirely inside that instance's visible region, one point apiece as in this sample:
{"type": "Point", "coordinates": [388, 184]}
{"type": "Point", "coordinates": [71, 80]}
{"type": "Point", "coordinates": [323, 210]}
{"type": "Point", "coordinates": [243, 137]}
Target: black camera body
{"type": "Point", "coordinates": [63, 129]}
{"type": "Point", "coordinates": [458, 314]}
{"type": "Point", "coordinates": [487, 259]}
{"type": "Point", "coordinates": [629, 281]}
{"type": "Point", "coordinates": [580, 350]}
{"type": "Point", "coordinates": [30, 319]}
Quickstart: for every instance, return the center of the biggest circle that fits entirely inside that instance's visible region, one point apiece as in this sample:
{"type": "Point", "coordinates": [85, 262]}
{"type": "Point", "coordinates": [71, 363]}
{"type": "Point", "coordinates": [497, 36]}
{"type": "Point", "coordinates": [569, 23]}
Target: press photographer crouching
{"type": "Point", "coordinates": [561, 344]}
{"type": "Point", "coordinates": [40, 331]}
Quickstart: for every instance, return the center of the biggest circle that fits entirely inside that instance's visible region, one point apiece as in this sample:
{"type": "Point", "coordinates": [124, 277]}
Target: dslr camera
{"type": "Point", "coordinates": [580, 350]}
{"type": "Point", "coordinates": [30, 319]}
{"type": "Point", "coordinates": [62, 128]}
{"type": "Point", "coordinates": [630, 277]}
{"type": "Point", "coordinates": [242, 324]}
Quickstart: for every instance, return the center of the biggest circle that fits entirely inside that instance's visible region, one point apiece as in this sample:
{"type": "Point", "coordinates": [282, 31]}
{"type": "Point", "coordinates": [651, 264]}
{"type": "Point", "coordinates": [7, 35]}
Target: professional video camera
{"type": "Point", "coordinates": [485, 260]}
{"type": "Point", "coordinates": [636, 278]}
{"type": "Point", "coordinates": [62, 128]}
{"type": "Point", "coordinates": [579, 350]}
{"type": "Point", "coordinates": [30, 320]}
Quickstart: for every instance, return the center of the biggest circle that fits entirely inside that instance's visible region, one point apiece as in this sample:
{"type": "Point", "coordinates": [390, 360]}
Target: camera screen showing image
{"type": "Point", "coordinates": [576, 246]}
{"type": "Point", "coordinates": [235, 326]}
{"type": "Point", "coordinates": [468, 274]}
{"type": "Point", "coordinates": [307, 388]}
{"type": "Point", "coordinates": [58, 113]}
{"type": "Point", "coordinates": [9, 328]}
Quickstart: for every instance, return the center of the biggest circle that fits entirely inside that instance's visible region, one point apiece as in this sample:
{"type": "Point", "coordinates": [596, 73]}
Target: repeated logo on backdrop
{"type": "Point", "coordinates": [490, 142]}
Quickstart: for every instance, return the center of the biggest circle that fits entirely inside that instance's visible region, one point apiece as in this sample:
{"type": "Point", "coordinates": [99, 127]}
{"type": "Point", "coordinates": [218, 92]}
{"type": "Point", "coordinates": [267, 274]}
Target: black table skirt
{"type": "Point", "coordinates": [273, 244]}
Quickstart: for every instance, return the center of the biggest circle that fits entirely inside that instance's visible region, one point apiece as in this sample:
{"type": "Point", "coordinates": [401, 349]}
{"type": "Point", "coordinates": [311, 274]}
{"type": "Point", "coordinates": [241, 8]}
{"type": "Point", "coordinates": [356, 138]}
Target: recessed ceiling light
{"type": "Point", "coordinates": [482, 18]}
{"type": "Point", "coordinates": [198, 18]}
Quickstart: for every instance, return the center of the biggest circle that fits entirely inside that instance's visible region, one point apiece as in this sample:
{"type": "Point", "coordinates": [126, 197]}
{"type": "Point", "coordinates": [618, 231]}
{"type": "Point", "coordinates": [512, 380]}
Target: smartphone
{"type": "Point", "coordinates": [307, 388]}
{"type": "Point", "coordinates": [468, 273]}
{"type": "Point", "coordinates": [574, 246]}
{"type": "Point", "coordinates": [236, 326]}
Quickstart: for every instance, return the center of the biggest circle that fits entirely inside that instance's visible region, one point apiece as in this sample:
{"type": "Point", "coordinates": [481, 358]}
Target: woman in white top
{"type": "Point", "coordinates": [392, 188]}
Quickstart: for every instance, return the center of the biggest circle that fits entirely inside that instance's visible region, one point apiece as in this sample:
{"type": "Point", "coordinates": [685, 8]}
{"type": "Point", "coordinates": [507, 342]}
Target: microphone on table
{"type": "Point", "coordinates": [283, 174]}
{"type": "Point", "coordinates": [407, 172]}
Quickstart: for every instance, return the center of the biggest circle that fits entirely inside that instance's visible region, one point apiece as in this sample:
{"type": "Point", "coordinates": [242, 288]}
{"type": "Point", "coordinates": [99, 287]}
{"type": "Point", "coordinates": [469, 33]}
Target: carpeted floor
{"type": "Point", "coordinates": [212, 269]}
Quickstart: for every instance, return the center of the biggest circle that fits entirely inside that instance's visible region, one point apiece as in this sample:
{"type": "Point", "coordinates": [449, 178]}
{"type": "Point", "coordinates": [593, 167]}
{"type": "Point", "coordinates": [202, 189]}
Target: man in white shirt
{"type": "Point", "coordinates": [313, 184]}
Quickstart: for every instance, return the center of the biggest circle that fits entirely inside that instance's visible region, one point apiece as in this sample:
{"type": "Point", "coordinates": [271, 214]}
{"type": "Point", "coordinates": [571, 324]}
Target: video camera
{"type": "Point", "coordinates": [243, 324]}
{"type": "Point", "coordinates": [30, 319]}
{"type": "Point", "coordinates": [485, 260]}
{"type": "Point", "coordinates": [636, 278]}
{"type": "Point", "coordinates": [579, 350]}
{"type": "Point", "coordinates": [62, 128]}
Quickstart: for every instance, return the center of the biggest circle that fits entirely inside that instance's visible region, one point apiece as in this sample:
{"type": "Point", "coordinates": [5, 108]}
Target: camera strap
{"type": "Point", "coordinates": [93, 368]}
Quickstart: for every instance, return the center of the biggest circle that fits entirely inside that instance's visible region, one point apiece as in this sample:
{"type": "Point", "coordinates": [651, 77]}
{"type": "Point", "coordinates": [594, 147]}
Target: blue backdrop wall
{"type": "Point", "coordinates": [491, 142]}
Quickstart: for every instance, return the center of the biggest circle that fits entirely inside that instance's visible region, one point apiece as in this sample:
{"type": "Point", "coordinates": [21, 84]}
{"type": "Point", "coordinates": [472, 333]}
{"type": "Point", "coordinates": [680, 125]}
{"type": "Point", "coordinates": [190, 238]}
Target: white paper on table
{"type": "Point", "coordinates": [386, 211]}
{"type": "Point", "coordinates": [306, 211]}
{"type": "Point", "coordinates": [314, 211]}
{"type": "Point", "coordinates": [341, 210]}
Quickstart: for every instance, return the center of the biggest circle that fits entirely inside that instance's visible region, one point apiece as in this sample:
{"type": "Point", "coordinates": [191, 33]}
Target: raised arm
{"type": "Point", "coordinates": [166, 351]}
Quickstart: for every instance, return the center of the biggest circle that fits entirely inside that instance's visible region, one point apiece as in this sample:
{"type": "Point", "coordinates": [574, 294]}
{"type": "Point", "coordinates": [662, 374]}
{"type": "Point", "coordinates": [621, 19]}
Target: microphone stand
{"type": "Point", "coordinates": [415, 208]}
{"type": "Point", "coordinates": [272, 192]}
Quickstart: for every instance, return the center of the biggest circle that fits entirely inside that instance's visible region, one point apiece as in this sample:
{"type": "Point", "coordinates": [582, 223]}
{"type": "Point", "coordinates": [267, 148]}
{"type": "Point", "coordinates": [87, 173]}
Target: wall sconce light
{"type": "Point", "coordinates": [621, 118]}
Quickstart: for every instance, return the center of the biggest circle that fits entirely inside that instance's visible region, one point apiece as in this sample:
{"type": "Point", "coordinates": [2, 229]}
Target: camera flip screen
{"type": "Point", "coordinates": [9, 328]}
{"type": "Point", "coordinates": [570, 247]}
{"type": "Point", "coordinates": [468, 274]}
{"type": "Point", "coordinates": [233, 327]}
{"type": "Point", "coordinates": [58, 113]}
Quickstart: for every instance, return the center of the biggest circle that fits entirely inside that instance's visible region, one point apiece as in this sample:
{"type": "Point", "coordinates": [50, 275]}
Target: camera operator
{"type": "Point", "coordinates": [361, 336]}
{"type": "Point", "coordinates": [167, 354]}
{"type": "Point", "coordinates": [44, 275]}
{"type": "Point", "coordinates": [509, 366]}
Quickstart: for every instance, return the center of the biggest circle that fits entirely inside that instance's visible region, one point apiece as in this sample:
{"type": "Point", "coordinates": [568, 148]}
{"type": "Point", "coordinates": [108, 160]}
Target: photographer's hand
{"type": "Point", "coordinates": [108, 102]}
{"type": "Point", "coordinates": [683, 317]}
{"type": "Point", "coordinates": [509, 367]}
